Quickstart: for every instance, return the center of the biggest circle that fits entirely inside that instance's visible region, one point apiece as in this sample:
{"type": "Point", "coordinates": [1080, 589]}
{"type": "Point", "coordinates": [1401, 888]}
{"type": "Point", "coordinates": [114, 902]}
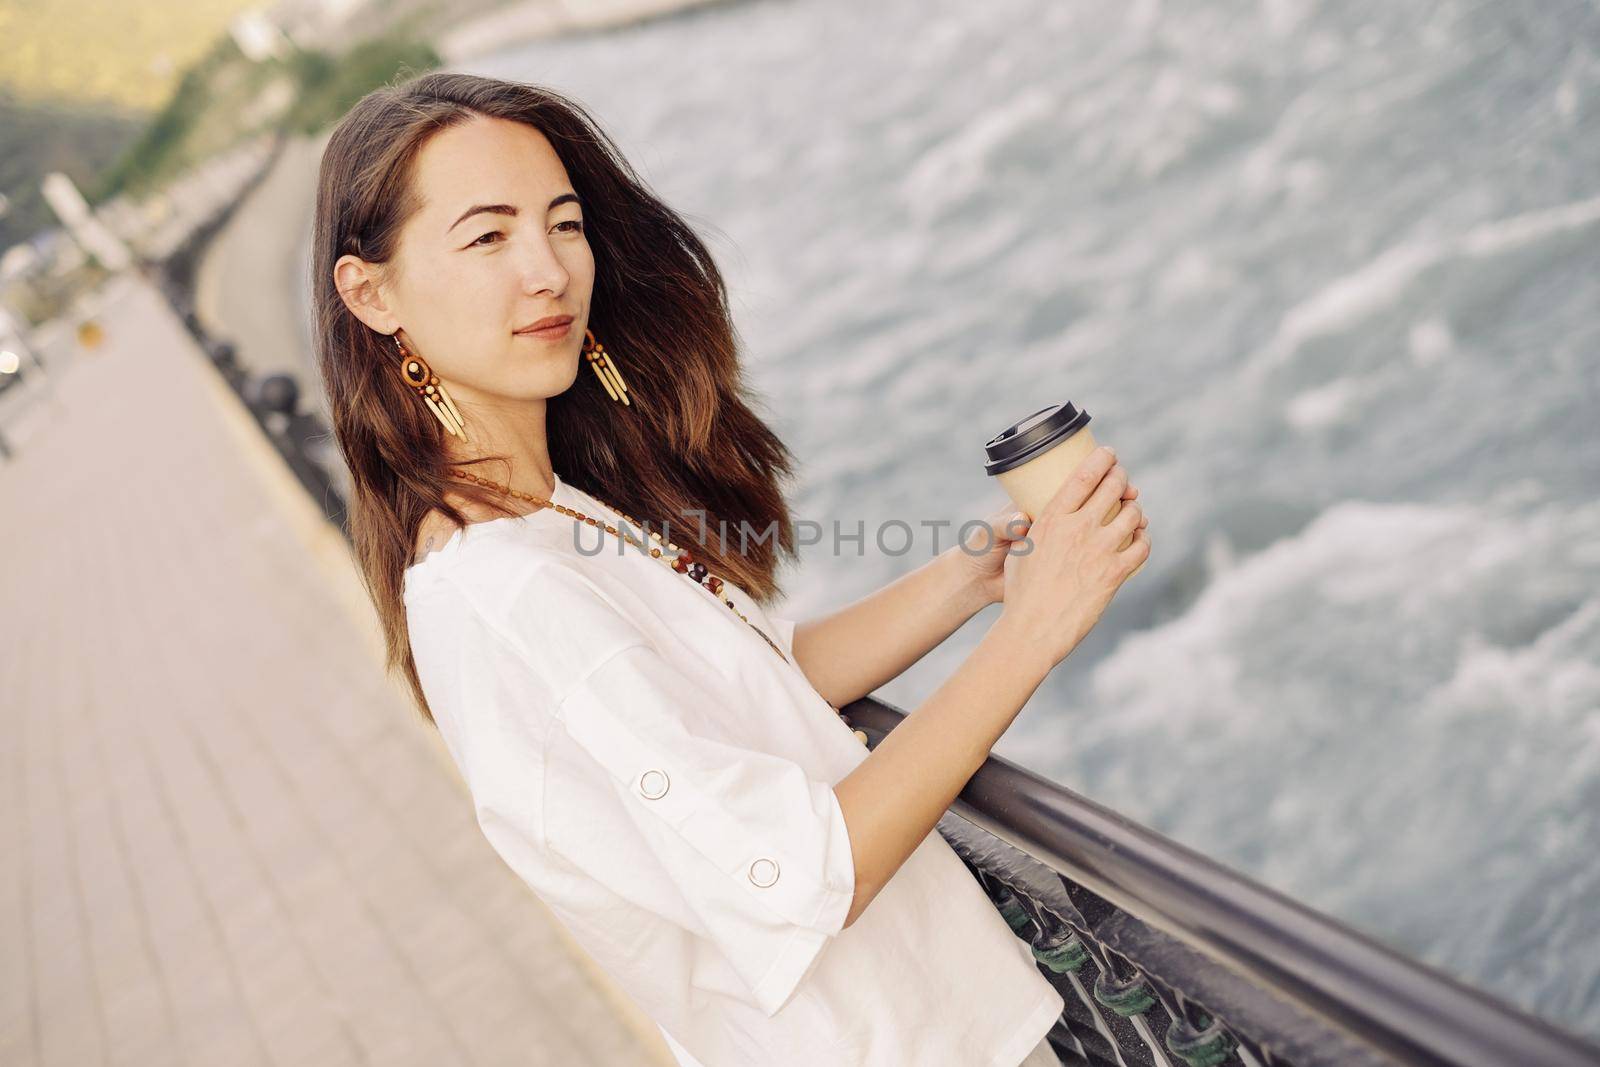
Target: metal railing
{"type": "Point", "coordinates": [1166, 958]}
{"type": "Point", "coordinates": [300, 436]}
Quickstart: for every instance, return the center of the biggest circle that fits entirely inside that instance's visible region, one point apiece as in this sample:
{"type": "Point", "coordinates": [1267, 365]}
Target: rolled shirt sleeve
{"type": "Point", "coordinates": [752, 843]}
{"type": "Point", "coordinates": [757, 847]}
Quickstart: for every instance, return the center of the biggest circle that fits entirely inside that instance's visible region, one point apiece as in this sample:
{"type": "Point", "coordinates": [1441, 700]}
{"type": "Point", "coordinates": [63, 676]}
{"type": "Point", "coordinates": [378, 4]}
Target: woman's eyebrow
{"type": "Point", "coordinates": [508, 209]}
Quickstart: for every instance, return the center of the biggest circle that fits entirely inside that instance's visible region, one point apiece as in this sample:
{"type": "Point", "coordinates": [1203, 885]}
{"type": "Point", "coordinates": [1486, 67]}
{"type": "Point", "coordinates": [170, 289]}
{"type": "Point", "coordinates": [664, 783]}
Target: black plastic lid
{"type": "Point", "coordinates": [1023, 440]}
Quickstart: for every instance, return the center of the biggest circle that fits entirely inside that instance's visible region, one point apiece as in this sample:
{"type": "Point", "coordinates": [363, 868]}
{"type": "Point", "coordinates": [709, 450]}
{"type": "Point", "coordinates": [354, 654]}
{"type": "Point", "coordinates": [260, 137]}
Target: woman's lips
{"type": "Point", "coordinates": [549, 333]}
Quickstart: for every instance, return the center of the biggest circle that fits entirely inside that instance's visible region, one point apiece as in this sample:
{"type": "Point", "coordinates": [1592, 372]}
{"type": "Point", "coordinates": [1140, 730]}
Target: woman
{"type": "Point", "coordinates": [659, 758]}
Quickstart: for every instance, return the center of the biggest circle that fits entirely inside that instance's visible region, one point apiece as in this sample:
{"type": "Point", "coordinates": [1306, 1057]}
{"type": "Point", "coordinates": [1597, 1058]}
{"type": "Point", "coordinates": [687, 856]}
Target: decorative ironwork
{"type": "Point", "coordinates": [1166, 958]}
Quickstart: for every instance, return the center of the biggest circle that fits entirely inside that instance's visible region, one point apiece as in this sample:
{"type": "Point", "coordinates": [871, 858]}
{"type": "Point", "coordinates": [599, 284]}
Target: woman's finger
{"type": "Point", "coordinates": [1012, 525]}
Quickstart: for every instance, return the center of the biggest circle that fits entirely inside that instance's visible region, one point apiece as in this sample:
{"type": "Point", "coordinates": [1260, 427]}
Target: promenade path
{"type": "Point", "coordinates": [229, 838]}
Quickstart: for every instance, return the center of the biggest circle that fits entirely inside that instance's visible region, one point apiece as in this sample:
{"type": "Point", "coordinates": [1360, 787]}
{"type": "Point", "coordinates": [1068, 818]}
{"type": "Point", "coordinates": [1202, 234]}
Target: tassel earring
{"type": "Point", "coordinates": [604, 369]}
{"type": "Point", "coordinates": [415, 370]}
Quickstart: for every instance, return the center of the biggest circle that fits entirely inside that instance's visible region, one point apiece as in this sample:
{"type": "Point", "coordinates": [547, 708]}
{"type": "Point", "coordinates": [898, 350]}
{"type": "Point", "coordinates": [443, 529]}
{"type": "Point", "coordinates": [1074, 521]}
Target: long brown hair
{"type": "Point", "coordinates": [690, 439]}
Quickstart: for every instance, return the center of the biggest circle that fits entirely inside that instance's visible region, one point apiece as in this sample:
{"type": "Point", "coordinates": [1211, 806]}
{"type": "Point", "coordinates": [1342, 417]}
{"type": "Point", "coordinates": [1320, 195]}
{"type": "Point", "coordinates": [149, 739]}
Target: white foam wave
{"type": "Point", "coordinates": [1383, 281]}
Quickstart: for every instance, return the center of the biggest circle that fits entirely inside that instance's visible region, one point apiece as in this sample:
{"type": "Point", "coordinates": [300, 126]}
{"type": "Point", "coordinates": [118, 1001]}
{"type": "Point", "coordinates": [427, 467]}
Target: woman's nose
{"type": "Point", "coordinates": [541, 268]}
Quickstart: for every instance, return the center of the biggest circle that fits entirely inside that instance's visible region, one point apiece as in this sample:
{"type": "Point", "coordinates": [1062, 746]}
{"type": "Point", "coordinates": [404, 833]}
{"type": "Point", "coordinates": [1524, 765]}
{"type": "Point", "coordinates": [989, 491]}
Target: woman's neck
{"type": "Point", "coordinates": [515, 432]}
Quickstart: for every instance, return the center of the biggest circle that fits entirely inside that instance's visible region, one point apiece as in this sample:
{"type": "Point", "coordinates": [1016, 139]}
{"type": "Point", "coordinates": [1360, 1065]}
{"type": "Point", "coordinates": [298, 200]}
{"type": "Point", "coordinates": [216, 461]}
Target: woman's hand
{"type": "Point", "coordinates": [984, 567]}
{"type": "Point", "coordinates": [1057, 591]}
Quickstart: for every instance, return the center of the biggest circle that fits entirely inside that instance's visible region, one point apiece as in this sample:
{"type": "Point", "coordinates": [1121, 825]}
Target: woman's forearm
{"type": "Point", "coordinates": [893, 799]}
{"type": "Point", "coordinates": [850, 652]}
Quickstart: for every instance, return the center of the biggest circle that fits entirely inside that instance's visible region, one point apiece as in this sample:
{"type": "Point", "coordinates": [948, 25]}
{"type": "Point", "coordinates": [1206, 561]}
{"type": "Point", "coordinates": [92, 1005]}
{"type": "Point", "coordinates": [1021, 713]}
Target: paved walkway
{"type": "Point", "coordinates": [228, 839]}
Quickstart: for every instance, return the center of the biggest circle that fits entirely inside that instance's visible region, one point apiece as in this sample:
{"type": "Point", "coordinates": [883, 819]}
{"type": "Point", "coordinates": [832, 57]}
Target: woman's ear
{"type": "Point", "coordinates": [356, 282]}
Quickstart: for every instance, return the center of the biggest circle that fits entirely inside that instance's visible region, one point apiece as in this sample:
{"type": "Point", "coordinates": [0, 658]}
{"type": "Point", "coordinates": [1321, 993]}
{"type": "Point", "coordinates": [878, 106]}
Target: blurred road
{"type": "Point", "coordinates": [254, 278]}
{"type": "Point", "coordinates": [228, 839]}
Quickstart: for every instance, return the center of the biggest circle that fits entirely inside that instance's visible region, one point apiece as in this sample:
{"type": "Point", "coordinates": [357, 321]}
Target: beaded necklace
{"type": "Point", "coordinates": [682, 562]}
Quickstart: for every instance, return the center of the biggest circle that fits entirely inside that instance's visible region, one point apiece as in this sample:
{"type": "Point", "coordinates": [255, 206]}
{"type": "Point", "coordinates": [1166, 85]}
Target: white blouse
{"type": "Point", "coordinates": [663, 781]}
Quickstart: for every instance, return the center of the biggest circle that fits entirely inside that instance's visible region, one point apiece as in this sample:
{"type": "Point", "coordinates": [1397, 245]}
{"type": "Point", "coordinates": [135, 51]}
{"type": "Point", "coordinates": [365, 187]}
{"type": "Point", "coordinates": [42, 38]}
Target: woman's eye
{"type": "Point", "coordinates": [491, 233]}
{"type": "Point", "coordinates": [576, 224]}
